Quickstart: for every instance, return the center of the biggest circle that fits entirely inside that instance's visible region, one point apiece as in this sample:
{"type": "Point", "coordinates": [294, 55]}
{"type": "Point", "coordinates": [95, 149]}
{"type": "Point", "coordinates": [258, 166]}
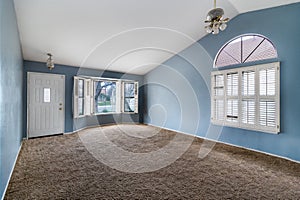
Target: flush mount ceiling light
{"type": "Point", "coordinates": [215, 19]}
{"type": "Point", "coordinates": [50, 61]}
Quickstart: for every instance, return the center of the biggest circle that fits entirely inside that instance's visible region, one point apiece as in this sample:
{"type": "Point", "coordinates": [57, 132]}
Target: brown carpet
{"type": "Point", "coordinates": [61, 167]}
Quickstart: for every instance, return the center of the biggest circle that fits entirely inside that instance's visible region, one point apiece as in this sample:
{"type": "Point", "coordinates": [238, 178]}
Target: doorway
{"type": "Point", "coordinates": [45, 104]}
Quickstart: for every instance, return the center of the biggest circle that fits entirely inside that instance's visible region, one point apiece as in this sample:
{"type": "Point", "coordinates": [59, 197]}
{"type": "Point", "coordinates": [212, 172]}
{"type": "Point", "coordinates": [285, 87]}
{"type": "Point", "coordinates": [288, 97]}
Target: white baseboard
{"type": "Point", "coordinates": [12, 170]}
{"type": "Point", "coordinates": [87, 127]}
{"type": "Point", "coordinates": [217, 141]}
{"type": "Point", "coordinates": [96, 126]}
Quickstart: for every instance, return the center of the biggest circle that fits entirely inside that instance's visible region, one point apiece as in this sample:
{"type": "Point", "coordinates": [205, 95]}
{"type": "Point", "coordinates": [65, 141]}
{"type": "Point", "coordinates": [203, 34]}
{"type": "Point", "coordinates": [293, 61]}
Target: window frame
{"type": "Point", "coordinates": [257, 98]}
{"type": "Point", "coordinates": [76, 97]}
{"type": "Point", "coordinates": [136, 94]}
{"type": "Point", "coordinates": [117, 94]}
{"type": "Point", "coordinates": [240, 62]}
{"type": "Point", "coordinates": [89, 94]}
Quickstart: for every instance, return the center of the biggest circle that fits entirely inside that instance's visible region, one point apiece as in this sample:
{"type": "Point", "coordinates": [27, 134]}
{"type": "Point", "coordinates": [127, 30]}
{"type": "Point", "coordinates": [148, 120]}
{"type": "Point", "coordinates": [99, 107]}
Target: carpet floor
{"type": "Point", "coordinates": [66, 167]}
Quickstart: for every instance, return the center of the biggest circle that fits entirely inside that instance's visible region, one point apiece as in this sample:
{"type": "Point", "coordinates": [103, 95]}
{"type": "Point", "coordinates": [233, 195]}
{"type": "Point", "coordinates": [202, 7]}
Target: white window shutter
{"type": "Point", "coordinates": [232, 84]}
{"type": "Point", "coordinates": [250, 95]}
{"type": "Point", "coordinates": [248, 111]}
{"type": "Point", "coordinates": [218, 104]}
{"type": "Point", "coordinates": [87, 97]}
{"type": "Point", "coordinates": [122, 90]}
{"type": "Point", "coordinates": [219, 109]}
{"type": "Point", "coordinates": [267, 111]}
{"type": "Point", "coordinates": [75, 98]}
{"type": "Point", "coordinates": [136, 95]}
{"type": "Point", "coordinates": [92, 97]}
{"type": "Point", "coordinates": [119, 96]}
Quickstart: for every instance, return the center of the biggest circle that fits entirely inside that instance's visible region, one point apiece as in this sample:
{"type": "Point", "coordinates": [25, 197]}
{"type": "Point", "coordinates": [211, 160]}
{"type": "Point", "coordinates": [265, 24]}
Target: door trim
{"type": "Point", "coordinates": [27, 98]}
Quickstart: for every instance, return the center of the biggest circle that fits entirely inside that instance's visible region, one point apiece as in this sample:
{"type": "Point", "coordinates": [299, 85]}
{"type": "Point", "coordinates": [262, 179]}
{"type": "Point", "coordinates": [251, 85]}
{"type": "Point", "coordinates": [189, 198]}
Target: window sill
{"type": "Point", "coordinates": [263, 129]}
{"type": "Point", "coordinates": [113, 113]}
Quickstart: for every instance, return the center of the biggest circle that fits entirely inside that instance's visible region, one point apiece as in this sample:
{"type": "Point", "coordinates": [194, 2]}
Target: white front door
{"type": "Point", "coordinates": [46, 98]}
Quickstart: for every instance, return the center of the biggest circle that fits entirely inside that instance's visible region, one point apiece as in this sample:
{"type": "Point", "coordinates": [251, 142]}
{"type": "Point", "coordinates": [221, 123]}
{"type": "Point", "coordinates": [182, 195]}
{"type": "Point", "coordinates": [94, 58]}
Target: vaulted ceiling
{"type": "Point", "coordinates": [131, 36]}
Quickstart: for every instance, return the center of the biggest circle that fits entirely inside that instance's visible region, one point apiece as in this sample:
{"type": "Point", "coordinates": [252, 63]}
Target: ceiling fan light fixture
{"type": "Point", "coordinates": [215, 31]}
{"type": "Point", "coordinates": [223, 26]}
{"type": "Point", "coordinates": [50, 61]}
{"type": "Point", "coordinates": [215, 14]}
{"type": "Point", "coordinates": [208, 29]}
{"type": "Point", "coordinates": [215, 19]}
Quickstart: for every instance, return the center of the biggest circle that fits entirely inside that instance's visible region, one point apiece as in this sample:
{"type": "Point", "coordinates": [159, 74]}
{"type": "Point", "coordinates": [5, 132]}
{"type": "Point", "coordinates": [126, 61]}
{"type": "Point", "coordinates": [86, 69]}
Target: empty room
{"type": "Point", "coordinates": [139, 99]}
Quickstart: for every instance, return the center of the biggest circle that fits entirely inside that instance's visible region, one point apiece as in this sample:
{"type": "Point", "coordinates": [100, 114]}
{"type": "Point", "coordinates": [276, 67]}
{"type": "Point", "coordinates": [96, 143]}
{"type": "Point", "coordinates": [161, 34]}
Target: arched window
{"type": "Point", "coordinates": [245, 48]}
{"type": "Point", "coordinates": [246, 97]}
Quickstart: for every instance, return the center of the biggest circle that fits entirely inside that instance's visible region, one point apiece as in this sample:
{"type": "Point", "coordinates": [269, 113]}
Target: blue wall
{"type": "Point", "coordinates": [191, 69]}
{"type": "Point", "coordinates": [69, 72]}
{"type": "Point", "coordinates": [11, 72]}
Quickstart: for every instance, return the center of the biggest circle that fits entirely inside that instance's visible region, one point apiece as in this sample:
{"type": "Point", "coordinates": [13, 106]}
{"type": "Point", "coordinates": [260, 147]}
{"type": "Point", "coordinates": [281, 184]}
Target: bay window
{"type": "Point", "coordinates": [94, 96]}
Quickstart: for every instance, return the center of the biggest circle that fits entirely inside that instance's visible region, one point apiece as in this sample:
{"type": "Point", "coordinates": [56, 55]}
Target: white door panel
{"type": "Point", "coordinates": [46, 97]}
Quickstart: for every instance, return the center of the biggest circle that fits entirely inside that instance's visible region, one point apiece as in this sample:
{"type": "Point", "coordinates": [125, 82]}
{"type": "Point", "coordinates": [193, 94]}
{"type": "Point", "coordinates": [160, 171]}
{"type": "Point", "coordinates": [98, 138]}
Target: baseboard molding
{"type": "Point", "coordinates": [12, 170]}
{"type": "Point", "coordinates": [96, 126]}
{"type": "Point", "coordinates": [221, 142]}
{"type": "Point", "coordinates": [81, 129]}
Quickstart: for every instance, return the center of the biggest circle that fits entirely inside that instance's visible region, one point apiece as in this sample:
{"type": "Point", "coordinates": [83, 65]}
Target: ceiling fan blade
{"type": "Point", "coordinates": [207, 21]}
{"type": "Point", "coordinates": [225, 20]}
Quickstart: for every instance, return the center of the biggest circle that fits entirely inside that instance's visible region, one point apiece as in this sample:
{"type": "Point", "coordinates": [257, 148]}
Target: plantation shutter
{"type": "Point", "coordinates": [268, 103]}
{"type": "Point", "coordinates": [136, 95]}
{"type": "Point", "coordinates": [267, 82]}
{"type": "Point", "coordinates": [248, 97]}
{"type": "Point", "coordinates": [267, 110]}
{"type": "Point", "coordinates": [119, 94]}
{"type": "Point", "coordinates": [75, 98]}
{"type": "Point", "coordinates": [218, 93]}
{"type": "Point", "coordinates": [232, 97]}
{"type": "Point", "coordinates": [248, 111]}
{"type": "Point", "coordinates": [232, 84]}
{"type": "Point", "coordinates": [219, 85]}
{"type": "Point", "coordinates": [232, 110]}
{"type": "Point", "coordinates": [92, 102]}
{"type": "Point", "coordinates": [87, 96]}
{"type": "Point", "coordinates": [219, 109]}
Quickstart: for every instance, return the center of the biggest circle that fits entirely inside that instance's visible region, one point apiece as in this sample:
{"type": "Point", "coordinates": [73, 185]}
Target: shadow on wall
{"type": "Point", "coordinates": [188, 78]}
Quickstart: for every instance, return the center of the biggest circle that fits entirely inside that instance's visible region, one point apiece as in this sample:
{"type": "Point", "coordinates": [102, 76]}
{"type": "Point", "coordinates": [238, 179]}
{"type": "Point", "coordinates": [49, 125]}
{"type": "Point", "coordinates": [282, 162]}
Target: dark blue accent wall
{"type": "Point", "coordinates": [11, 72]}
{"type": "Point", "coordinates": [71, 71]}
{"type": "Point", "coordinates": [192, 67]}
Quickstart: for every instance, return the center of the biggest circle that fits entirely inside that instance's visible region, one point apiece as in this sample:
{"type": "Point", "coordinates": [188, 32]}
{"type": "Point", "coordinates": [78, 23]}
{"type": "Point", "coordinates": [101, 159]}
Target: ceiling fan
{"type": "Point", "coordinates": [215, 19]}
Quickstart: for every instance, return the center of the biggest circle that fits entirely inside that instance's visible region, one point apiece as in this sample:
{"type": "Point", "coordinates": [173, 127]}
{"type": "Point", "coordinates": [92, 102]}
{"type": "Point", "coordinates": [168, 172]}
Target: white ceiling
{"type": "Point", "coordinates": [131, 36]}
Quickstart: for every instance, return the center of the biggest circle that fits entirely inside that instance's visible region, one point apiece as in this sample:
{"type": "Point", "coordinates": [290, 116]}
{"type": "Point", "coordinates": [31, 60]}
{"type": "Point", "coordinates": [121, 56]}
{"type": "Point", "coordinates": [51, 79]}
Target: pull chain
{"type": "Point", "coordinates": [215, 3]}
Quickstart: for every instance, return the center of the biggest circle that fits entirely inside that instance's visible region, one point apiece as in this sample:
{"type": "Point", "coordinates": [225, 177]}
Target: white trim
{"type": "Point", "coordinates": [12, 170]}
{"type": "Point", "coordinates": [116, 81]}
{"type": "Point", "coordinates": [87, 96]}
{"type": "Point", "coordinates": [221, 142]}
{"type": "Point", "coordinates": [97, 126]}
{"type": "Point", "coordinates": [106, 113]}
{"type": "Point", "coordinates": [94, 78]}
{"type": "Point", "coordinates": [90, 98]}
{"type": "Point", "coordinates": [136, 94]}
{"type": "Point", "coordinates": [86, 127]}
{"type": "Point", "coordinates": [237, 37]}
{"type": "Point", "coordinates": [118, 96]}
{"type": "Point", "coordinates": [76, 96]}
{"type": "Point", "coordinates": [257, 97]}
